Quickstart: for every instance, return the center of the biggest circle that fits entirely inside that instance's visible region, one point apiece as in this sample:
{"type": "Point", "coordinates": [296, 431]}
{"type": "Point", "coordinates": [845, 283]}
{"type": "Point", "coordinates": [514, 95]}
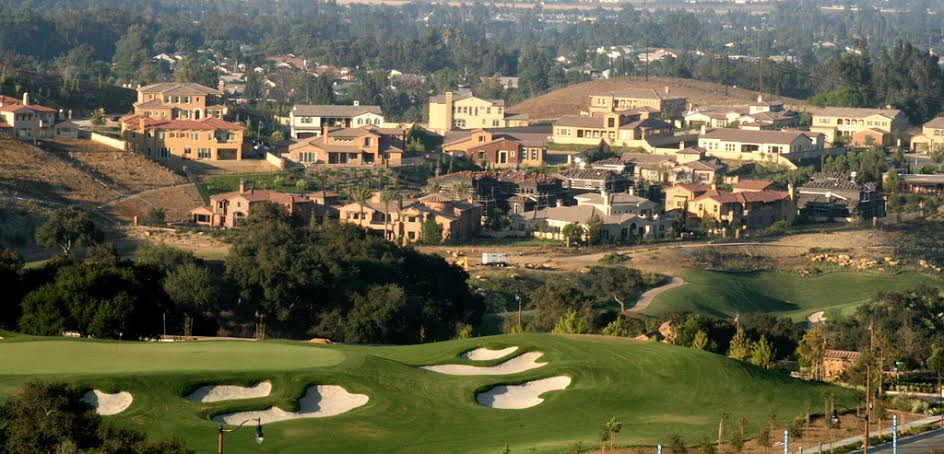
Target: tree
{"type": "Point", "coordinates": [740, 348]}
{"type": "Point", "coordinates": [935, 362]}
{"type": "Point", "coordinates": [570, 323]}
{"type": "Point", "coordinates": [192, 288]}
{"type": "Point", "coordinates": [707, 447]}
{"type": "Point", "coordinates": [737, 440]}
{"type": "Point", "coordinates": [11, 264]}
{"type": "Point", "coordinates": [763, 438]}
{"type": "Point", "coordinates": [613, 426]}
{"type": "Point", "coordinates": [68, 227]}
{"type": "Point", "coordinates": [595, 230]}
{"type": "Point", "coordinates": [762, 353]}
{"type": "Point", "coordinates": [98, 117]}
{"type": "Point", "coordinates": [811, 350]}
{"type": "Point", "coordinates": [360, 194]}
{"type": "Point", "coordinates": [553, 300]}
{"type": "Point", "coordinates": [460, 190]}
{"type": "Point", "coordinates": [387, 197]}
{"type": "Point", "coordinates": [573, 234]}
{"type": "Point", "coordinates": [431, 232]}
{"type": "Point", "coordinates": [677, 444]}
{"type": "Point", "coordinates": [700, 342]}
{"type": "Point", "coordinates": [616, 328]}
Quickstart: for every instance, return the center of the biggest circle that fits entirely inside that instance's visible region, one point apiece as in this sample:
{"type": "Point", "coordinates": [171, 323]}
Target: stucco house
{"type": "Point", "coordinates": [308, 120]}
{"type": "Point", "coordinates": [231, 209]}
{"type": "Point", "coordinates": [931, 137]}
{"type": "Point", "coordinates": [843, 123]}
{"type": "Point", "coordinates": [459, 219]}
{"type": "Point", "coordinates": [366, 145]}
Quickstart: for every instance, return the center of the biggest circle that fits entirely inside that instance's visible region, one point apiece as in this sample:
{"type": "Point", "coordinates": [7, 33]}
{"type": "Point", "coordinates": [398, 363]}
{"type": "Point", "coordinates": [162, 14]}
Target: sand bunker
{"type": "Point", "coordinates": [318, 402]}
{"type": "Point", "coordinates": [108, 404]}
{"type": "Point", "coordinates": [521, 363]}
{"type": "Point", "coordinates": [525, 395]}
{"type": "Point", "coordinates": [219, 393]}
{"type": "Point", "coordinates": [485, 354]}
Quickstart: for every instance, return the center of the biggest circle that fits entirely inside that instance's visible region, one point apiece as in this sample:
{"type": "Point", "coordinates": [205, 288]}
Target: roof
{"type": "Point", "coordinates": [748, 136]}
{"type": "Point", "coordinates": [754, 185]}
{"type": "Point", "coordinates": [744, 197]}
{"type": "Point", "coordinates": [579, 214]}
{"type": "Point", "coordinates": [705, 164]}
{"type": "Point", "coordinates": [263, 195]}
{"type": "Point", "coordinates": [208, 123]}
{"type": "Point", "coordinates": [175, 88]}
{"type": "Point", "coordinates": [587, 174]}
{"type": "Point", "coordinates": [937, 123]}
{"type": "Point", "coordinates": [839, 181]}
{"type": "Point", "coordinates": [692, 187]}
{"type": "Point", "coordinates": [841, 354]}
{"type": "Point", "coordinates": [33, 107]}
{"type": "Point", "coordinates": [441, 99]}
{"type": "Point", "coordinates": [615, 198]}
{"type": "Point", "coordinates": [580, 121]}
{"type": "Point", "coordinates": [692, 150]}
{"type": "Point", "coordinates": [855, 112]}
{"type": "Point", "coordinates": [922, 178]}
{"type": "Point", "coordinates": [324, 110]}
{"type": "Point", "coordinates": [151, 103]}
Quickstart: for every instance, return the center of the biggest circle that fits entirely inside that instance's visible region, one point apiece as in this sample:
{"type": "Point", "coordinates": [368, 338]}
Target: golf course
{"type": "Point", "coordinates": [723, 294]}
{"type": "Point", "coordinates": [654, 389]}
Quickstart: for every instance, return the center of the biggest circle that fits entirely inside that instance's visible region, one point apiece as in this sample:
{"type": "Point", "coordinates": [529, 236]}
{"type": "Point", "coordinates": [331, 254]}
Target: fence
{"type": "Point", "coordinates": [277, 161]}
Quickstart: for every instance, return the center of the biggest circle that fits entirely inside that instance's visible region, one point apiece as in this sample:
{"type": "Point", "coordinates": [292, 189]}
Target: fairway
{"type": "Point", "coordinates": [723, 294]}
{"type": "Point", "coordinates": [655, 389]}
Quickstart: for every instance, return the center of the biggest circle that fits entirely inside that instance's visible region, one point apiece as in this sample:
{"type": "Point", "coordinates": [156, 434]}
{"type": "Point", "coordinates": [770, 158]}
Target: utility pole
{"type": "Point", "coordinates": [868, 389]}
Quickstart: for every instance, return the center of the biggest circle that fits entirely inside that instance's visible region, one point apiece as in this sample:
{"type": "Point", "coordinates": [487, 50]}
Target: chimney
{"type": "Point", "coordinates": [760, 98]}
{"type": "Point", "coordinates": [26, 99]}
{"type": "Point", "coordinates": [221, 86]}
{"type": "Point", "coordinates": [70, 114]}
{"type": "Point", "coordinates": [667, 89]}
{"type": "Point", "coordinates": [560, 202]}
{"type": "Point", "coordinates": [141, 124]}
{"type": "Point", "coordinates": [631, 190]}
{"type": "Point", "coordinates": [242, 186]}
{"type": "Point", "coordinates": [449, 112]}
{"type": "Point", "coordinates": [792, 191]}
{"type": "Point", "coordinates": [356, 103]}
{"type": "Point", "coordinates": [681, 145]}
{"type": "Point", "coordinates": [704, 129]}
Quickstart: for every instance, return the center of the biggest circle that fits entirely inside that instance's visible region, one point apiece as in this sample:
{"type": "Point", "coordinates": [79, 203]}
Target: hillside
{"type": "Point", "coordinates": [655, 389]}
{"type": "Point", "coordinates": [569, 100]}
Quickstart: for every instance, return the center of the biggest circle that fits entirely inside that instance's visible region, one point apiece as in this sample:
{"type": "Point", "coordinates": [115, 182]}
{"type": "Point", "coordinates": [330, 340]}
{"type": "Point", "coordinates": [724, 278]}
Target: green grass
{"type": "Point", "coordinates": [723, 294]}
{"type": "Point", "coordinates": [655, 389]}
{"type": "Point", "coordinates": [279, 181]}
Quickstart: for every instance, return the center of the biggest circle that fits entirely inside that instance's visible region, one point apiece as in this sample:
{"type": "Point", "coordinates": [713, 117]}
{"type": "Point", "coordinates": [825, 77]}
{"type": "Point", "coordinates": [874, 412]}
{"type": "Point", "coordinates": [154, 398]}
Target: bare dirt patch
{"type": "Point", "coordinates": [31, 172]}
{"type": "Point", "coordinates": [131, 171]}
{"type": "Point", "coordinates": [176, 201]}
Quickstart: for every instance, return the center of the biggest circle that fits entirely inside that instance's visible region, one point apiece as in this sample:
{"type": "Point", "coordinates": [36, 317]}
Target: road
{"type": "Point", "coordinates": [925, 443]}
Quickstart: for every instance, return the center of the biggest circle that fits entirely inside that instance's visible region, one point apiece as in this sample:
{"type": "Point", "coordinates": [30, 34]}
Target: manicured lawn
{"type": "Point", "coordinates": [655, 389]}
{"type": "Point", "coordinates": [280, 181]}
{"type": "Point", "coordinates": [722, 294]}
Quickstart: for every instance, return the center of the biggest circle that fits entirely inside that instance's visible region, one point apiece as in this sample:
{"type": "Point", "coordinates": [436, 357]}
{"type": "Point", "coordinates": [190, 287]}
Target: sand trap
{"type": "Point", "coordinates": [521, 363]}
{"type": "Point", "coordinates": [220, 393]}
{"type": "Point", "coordinates": [108, 404]}
{"type": "Point", "coordinates": [816, 317]}
{"type": "Point", "coordinates": [525, 395]}
{"type": "Point", "coordinates": [318, 402]}
{"type": "Point", "coordinates": [485, 354]}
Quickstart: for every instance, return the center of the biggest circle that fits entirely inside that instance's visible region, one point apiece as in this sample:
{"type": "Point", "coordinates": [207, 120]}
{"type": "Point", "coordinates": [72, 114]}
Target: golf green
{"type": "Point", "coordinates": [654, 389]}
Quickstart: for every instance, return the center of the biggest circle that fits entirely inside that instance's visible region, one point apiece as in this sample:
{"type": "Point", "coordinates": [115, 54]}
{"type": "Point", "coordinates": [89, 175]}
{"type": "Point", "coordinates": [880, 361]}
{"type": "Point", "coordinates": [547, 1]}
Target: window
{"type": "Point", "coordinates": [459, 123]}
{"type": "Point", "coordinates": [306, 120]}
{"type": "Point", "coordinates": [534, 154]}
{"type": "Point", "coordinates": [186, 100]}
{"type": "Point", "coordinates": [187, 151]}
{"type": "Point", "coordinates": [367, 141]}
{"type": "Point", "coordinates": [194, 136]}
{"type": "Point", "coordinates": [160, 135]}
{"type": "Point", "coordinates": [488, 110]}
{"type": "Point", "coordinates": [730, 147]}
{"type": "Point", "coordinates": [775, 149]}
{"type": "Point", "coordinates": [203, 153]}
{"type": "Point", "coordinates": [307, 156]}
{"type": "Point", "coordinates": [481, 138]}
{"type": "Point", "coordinates": [495, 123]}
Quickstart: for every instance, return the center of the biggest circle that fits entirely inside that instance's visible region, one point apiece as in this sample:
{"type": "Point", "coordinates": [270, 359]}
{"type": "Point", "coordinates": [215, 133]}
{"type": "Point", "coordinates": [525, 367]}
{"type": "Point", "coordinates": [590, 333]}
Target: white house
{"type": "Point", "coordinates": [308, 120]}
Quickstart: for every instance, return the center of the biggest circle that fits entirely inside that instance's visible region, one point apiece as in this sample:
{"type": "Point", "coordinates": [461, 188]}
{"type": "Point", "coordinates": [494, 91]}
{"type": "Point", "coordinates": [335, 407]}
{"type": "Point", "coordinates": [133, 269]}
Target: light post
{"type": "Point", "coordinates": [222, 430]}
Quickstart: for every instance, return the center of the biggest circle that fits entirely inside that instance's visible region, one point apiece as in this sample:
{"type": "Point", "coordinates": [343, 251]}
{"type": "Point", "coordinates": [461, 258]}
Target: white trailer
{"type": "Point", "coordinates": [494, 258]}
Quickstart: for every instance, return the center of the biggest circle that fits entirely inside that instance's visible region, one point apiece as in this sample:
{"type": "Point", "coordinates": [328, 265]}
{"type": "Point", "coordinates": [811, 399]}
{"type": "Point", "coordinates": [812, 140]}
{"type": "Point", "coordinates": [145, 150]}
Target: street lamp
{"type": "Point", "coordinates": [259, 436]}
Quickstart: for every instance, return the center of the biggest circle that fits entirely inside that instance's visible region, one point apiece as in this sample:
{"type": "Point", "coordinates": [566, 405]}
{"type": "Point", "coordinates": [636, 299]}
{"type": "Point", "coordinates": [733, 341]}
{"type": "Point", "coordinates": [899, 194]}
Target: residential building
{"type": "Point", "coordinates": [310, 120]}
{"type": "Point", "coordinates": [507, 83]}
{"type": "Point", "coordinates": [593, 180]}
{"type": "Point", "coordinates": [512, 191]}
{"type": "Point", "coordinates": [179, 101]}
{"type": "Point", "coordinates": [464, 111]}
{"type": "Point", "coordinates": [498, 148]}
{"type": "Point", "coordinates": [931, 137]}
{"type": "Point", "coordinates": [742, 144]}
{"type": "Point", "coordinates": [402, 220]}
{"type": "Point", "coordinates": [631, 128]}
{"type": "Point", "coordinates": [842, 123]}
{"type": "Point", "coordinates": [688, 165]}
{"type": "Point", "coordinates": [763, 114]}
{"type": "Point", "coordinates": [614, 203]}
{"type": "Point", "coordinates": [367, 145]}
{"type": "Point", "coordinates": [750, 210]}
{"type": "Point", "coordinates": [678, 197]}
{"type": "Point", "coordinates": [231, 209]}
{"type": "Point", "coordinates": [923, 184]}
{"type": "Point", "coordinates": [829, 197]}
{"type": "Point", "coordinates": [670, 106]}
{"type": "Point", "coordinates": [207, 138]}
{"type": "Point", "coordinates": [837, 362]}
{"type": "Point", "coordinates": [22, 119]}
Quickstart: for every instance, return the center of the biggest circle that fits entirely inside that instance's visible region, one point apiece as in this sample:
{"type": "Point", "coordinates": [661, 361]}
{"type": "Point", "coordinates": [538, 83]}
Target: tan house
{"type": "Point", "coordinates": [207, 138]}
{"type": "Point", "coordinates": [459, 219]}
{"type": "Point", "coordinates": [230, 209]}
{"type": "Point", "coordinates": [763, 114]}
{"type": "Point", "coordinates": [364, 146]}
{"type": "Point", "coordinates": [25, 120]}
{"type": "Point", "coordinates": [172, 101]}
{"type": "Point", "coordinates": [465, 111]}
{"type": "Point", "coordinates": [310, 120]}
{"type": "Point", "coordinates": [742, 144]}
{"type": "Point", "coordinates": [751, 210]}
{"type": "Point", "coordinates": [678, 196]}
{"type": "Point", "coordinates": [836, 362]}
{"type": "Point", "coordinates": [498, 148]}
{"type": "Point", "coordinates": [931, 138]}
{"type": "Point", "coordinates": [629, 128]}
{"type": "Point", "coordinates": [688, 165]}
{"type": "Point", "coordinates": [670, 106]}
{"type": "Point", "coordinates": [842, 123]}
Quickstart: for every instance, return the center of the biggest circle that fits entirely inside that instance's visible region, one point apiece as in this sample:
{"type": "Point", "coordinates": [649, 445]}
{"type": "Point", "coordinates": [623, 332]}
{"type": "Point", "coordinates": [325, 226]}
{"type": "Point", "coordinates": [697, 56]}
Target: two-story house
{"type": "Point", "coordinates": [743, 144]}
{"type": "Point", "coordinates": [829, 197]}
{"type": "Point", "coordinates": [184, 101]}
{"type": "Point", "coordinates": [402, 220]}
{"type": "Point", "coordinates": [230, 209]}
{"type": "Point", "coordinates": [465, 111]}
{"type": "Point", "coordinates": [762, 114]}
{"type": "Point", "coordinates": [498, 148]}
{"type": "Point", "coordinates": [25, 120]}
{"type": "Point", "coordinates": [629, 128]}
{"type": "Point", "coordinates": [310, 120]}
{"type": "Point", "coordinates": [366, 145]}
{"type": "Point", "coordinates": [688, 165]}
{"type": "Point", "coordinates": [855, 125]}
{"type": "Point", "coordinates": [671, 107]}
{"type": "Point", "coordinates": [931, 138]}
{"type": "Point", "coordinates": [207, 138]}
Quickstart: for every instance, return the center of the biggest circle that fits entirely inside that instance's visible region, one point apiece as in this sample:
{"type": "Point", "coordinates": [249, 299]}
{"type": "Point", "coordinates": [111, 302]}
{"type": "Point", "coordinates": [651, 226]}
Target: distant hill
{"type": "Point", "coordinates": [569, 100]}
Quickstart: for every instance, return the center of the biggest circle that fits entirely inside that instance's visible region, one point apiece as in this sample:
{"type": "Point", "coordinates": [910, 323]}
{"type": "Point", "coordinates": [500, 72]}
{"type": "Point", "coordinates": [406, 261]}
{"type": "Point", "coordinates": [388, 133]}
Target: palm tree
{"type": "Point", "coordinates": [387, 196]}
{"type": "Point", "coordinates": [432, 187]}
{"type": "Point", "coordinates": [360, 194]}
{"type": "Point", "coordinates": [460, 190]}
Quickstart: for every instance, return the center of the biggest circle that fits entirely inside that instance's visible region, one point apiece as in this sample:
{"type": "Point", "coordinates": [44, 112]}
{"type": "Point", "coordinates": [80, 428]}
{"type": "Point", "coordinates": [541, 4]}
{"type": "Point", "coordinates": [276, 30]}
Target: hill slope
{"type": "Point", "coordinates": [655, 389]}
{"type": "Point", "coordinates": [569, 100]}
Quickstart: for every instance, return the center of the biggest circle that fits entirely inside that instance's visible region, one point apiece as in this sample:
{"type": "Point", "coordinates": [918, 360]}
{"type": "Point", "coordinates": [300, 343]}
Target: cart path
{"type": "Point", "coordinates": [643, 302]}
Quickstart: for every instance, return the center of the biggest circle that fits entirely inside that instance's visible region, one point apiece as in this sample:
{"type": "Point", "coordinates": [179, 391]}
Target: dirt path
{"type": "Point", "coordinates": [643, 302]}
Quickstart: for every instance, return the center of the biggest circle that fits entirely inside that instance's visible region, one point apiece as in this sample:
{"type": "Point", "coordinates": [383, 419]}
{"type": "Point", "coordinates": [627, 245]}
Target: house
{"type": "Point", "coordinates": [498, 148]}
{"type": "Point", "coordinates": [22, 119]}
{"type": "Point", "coordinates": [763, 114]}
{"type": "Point", "coordinates": [842, 123]}
{"type": "Point", "coordinates": [670, 106]}
{"type": "Point", "coordinates": [366, 145]}
{"type": "Point", "coordinates": [688, 165]}
{"type": "Point", "coordinates": [829, 197]}
{"type": "Point", "coordinates": [745, 185]}
{"type": "Point", "coordinates": [750, 210]}
{"type": "Point", "coordinates": [310, 120]}
{"type": "Point", "coordinates": [677, 197]}
{"type": "Point", "coordinates": [742, 144]}
{"type": "Point", "coordinates": [505, 82]}
{"type": "Point", "coordinates": [923, 184]}
{"type": "Point", "coordinates": [207, 138]}
{"type": "Point", "coordinates": [179, 101]}
{"type": "Point", "coordinates": [931, 137]}
{"type": "Point", "coordinates": [630, 128]}
{"type": "Point", "coordinates": [837, 362]}
{"type": "Point", "coordinates": [613, 203]}
{"type": "Point", "coordinates": [584, 180]}
{"type": "Point", "coordinates": [464, 111]}
{"type": "Point", "coordinates": [230, 209]}
{"type": "Point", "coordinates": [513, 191]}
{"type": "Point", "coordinates": [402, 220]}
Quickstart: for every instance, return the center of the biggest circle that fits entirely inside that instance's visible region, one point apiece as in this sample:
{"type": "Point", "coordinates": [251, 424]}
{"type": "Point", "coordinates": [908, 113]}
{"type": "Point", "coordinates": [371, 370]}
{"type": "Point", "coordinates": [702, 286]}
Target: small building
{"type": "Point", "coordinates": [931, 137]}
{"type": "Point", "coordinates": [751, 210]}
{"type": "Point", "coordinates": [829, 197]}
{"type": "Point", "coordinates": [231, 209]}
{"type": "Point", "coordinates": [763, 114]}
{"type": "Point", "coordinates": [498, 148]}
{"type": "Point", "coordinates": [363, 146]}
{"type": "Point", "coordinates": [310, 120]}
{"type": "Point", "coordinates": [837, 362]}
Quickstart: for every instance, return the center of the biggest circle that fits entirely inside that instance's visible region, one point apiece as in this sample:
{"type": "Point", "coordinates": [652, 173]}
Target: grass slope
{"type": "Point", "coordinates": [723, 294]}
{"type": "Point", "coordinates": [655, 389]}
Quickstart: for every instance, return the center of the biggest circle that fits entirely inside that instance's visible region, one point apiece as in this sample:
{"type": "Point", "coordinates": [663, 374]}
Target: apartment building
{"type": "Point", "coordinates": [670, 106]}
{"type": "Point", "coordinates": [465, 111]}
{"type": "Point", "coordinates": [853, 125]}
{"type": "Point", "coordinates": [208, 138]}
{"type": "Point", "coordinates": [231, 209]}
{"type": "Point", "coordinates": [743, 144]}
{"type": "Point", "coordinates": [310, 120]}
{"type": "Point", "coordinates": [363, 146]}
{"type": "Point", "coordinates": [402, 220]}
{"type": "Point", "coordinates": [22, 119]}
{"type": "Point", "coordinates": [498, 148]}
{"type": "Point", "coordinates": [931, 137]}
{"type": "Point", "coordinates": [179, 101]}
{"type": "Point", "coordinates": [630, 128]}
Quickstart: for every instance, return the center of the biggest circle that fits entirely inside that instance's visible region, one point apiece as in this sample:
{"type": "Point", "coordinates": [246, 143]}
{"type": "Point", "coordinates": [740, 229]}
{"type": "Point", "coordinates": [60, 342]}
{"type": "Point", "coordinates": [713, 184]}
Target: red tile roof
{"type": "Point", "coordinates": [208, 123]}
{"type": "Point", "coordinates": [757, 185]}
